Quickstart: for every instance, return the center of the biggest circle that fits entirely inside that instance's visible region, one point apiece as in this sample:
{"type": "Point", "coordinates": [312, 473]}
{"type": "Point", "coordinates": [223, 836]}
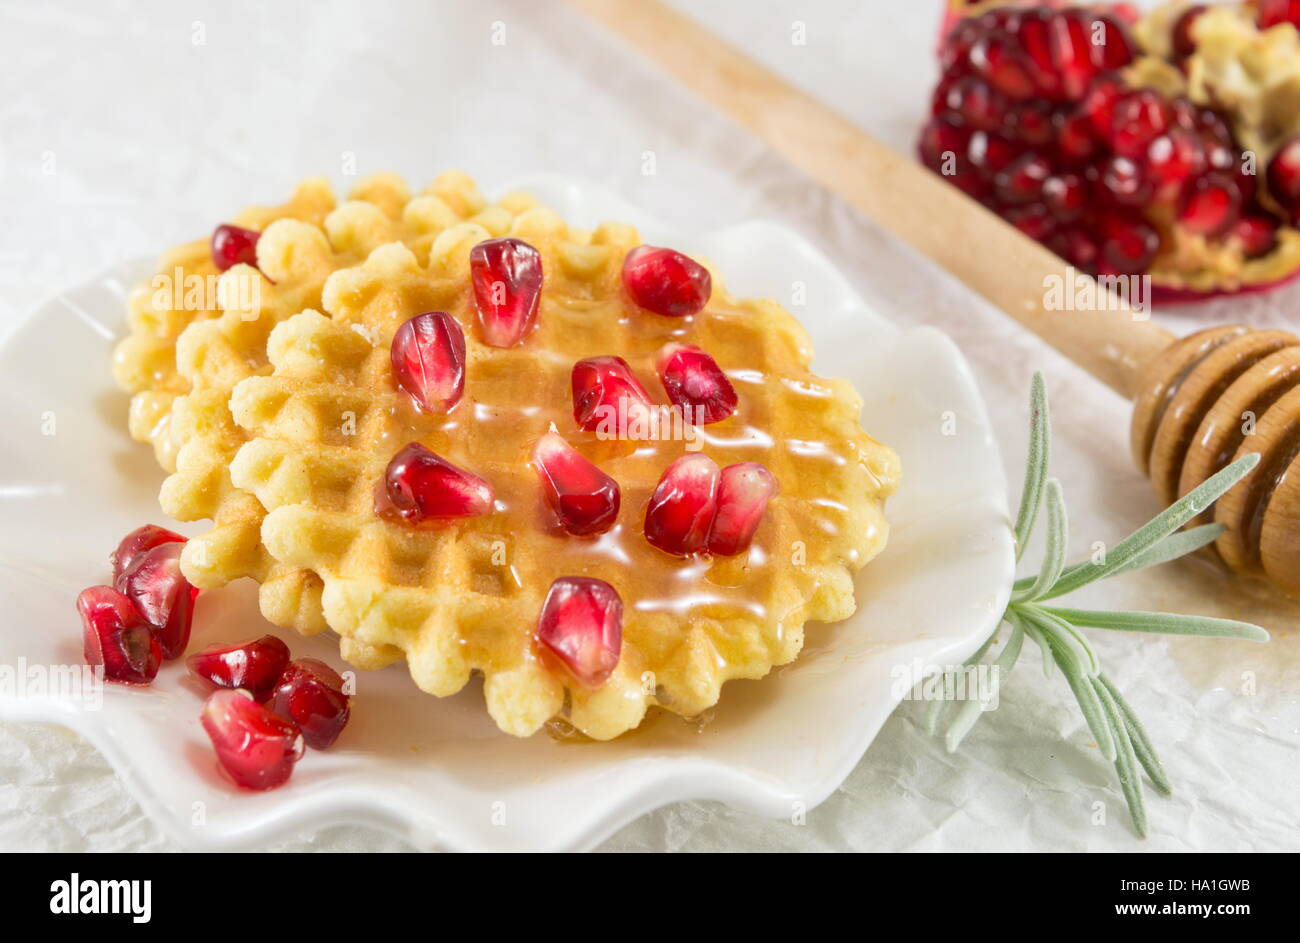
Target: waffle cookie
{"type": "Point", "coordinates": [184, 360]}
{"type": "Point", "coordinates": [461, 596]}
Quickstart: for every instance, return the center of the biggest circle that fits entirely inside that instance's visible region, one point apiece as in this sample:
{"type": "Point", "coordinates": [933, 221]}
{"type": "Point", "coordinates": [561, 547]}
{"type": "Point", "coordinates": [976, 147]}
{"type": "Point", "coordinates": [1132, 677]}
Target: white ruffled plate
{"type": "Point", "coordinates": [437, 771]}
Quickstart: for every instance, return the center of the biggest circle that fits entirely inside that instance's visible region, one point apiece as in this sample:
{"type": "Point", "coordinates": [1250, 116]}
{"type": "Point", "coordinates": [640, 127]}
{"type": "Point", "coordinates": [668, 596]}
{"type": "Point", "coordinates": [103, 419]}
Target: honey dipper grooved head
{"type": "Point", "coordinates": [1210, 398]}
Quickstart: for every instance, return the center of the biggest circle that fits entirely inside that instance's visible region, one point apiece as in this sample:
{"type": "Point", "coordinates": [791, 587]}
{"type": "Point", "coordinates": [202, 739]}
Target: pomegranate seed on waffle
{"type": "Point", "coordinates": [320, 427]}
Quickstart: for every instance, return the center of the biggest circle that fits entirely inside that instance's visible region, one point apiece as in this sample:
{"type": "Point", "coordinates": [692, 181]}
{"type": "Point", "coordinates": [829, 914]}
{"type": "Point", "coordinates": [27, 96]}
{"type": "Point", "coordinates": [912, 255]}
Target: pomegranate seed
{"type": "Point", "coordinates": [1033, 220]}
{"type": "Point", "coordinates": [428, 356]}
{"type": "Point", "coordinates": [1172, 159]}
{"type": "Point", "coordinates": [311, 695]}
{"type": "Point", "coordinates": [990, 153]}
{"type": "Point", "coordinates": [1256, 233]}
{"type": "Point", "coordinates": [743, 494]}
{"type": "Point", "coordinates": [1129, 244]}
{"type": "Point", "coordinates": [1184, 42]}
{"type": "Point", "coordinates": [997, 59]}
{"type": "Point", "coordinates": [257, 748]}
{"type": "Point", "coordinates": [1112, 48]}
{"type": "Point", "coordinates": [137, 542]}
{"type": "Point", "coordinates": [1071, 52]}
{"type": "Point", "coordinates": [1065, 195]}
{"type": "Point", "coordinates": [681, 509]}
{"type": "Point", "coordinates": [606, 392]}
{"type": "Point", "coordinates": [423, 486]}
{"type": "Point", "coordinates": [955, 56]}
{"type": "Point", "coordinates": [976, 104]}
{"type": "Point", "coordinates": [943, 146]}
{"type": "Point", "coordinates": [1077, 247]}
{"type": "Point", "coordinates": [1031, 124]}
{"type": "Point", "coordinates": [1209, 205]}
{"type": "Point", "coordinates": [1035, 36]}
{"type": "Point", "coordinates": [581, 627]}
{"type": "Point", "coordinates": [1022, 180]}
{"type": "Point", "coordinates": [1100, 100]}
{"type": "Point", "coordinates": [234, 245]}
{"type": "Point", "coordinates": [1136, 118]}
{"type": "Point", "coordinates": [507, 276]}
{"type": "Point", "coordinates": [255, 665]}
{"type": "Point", "coordinates": [582, 496]}
{"type": "Point", "coordinates": [1272, 12]}
{"type": "Point", "coordinates": [1075, 139]}
{"type": "Point", "coordinates": [163, 595]}
{"type": "Point", "coordinates": [117, 637]}
{"type": "Point", "coordinates": [696, 384]}
{"type": "Point", "coordinates": [1284, 175]}
{"type": "Point", "coordinates": [1123, 182]}
{"type": "Point", "coordinates": [666, 282]}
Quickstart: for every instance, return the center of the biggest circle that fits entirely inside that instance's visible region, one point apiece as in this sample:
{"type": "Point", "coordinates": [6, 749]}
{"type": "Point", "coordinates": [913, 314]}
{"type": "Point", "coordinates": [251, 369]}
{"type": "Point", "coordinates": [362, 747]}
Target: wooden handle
{"type": "Point", "coordinates": [897, 193]}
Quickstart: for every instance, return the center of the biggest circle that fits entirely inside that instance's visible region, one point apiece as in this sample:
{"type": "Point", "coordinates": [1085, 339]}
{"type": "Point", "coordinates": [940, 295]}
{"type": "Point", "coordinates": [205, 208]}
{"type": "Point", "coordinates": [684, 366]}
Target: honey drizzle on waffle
{"type": "Point", "coordinates": [464, 596]}
{"type": "Point", "coordinates": [193, 433]}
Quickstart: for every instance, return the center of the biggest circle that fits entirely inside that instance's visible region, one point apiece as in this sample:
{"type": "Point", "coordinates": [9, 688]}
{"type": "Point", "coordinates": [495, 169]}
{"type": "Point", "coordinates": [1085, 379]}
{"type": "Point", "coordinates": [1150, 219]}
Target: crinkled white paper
{"type": "Point", "coordinates": [137, 128]}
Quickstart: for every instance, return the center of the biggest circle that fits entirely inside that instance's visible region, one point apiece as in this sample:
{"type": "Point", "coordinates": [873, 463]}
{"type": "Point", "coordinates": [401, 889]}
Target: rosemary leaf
{"type": "Point", "coordinates": [971, 711]}
{"type": "Point", "coordinates": [1040, 447]}
{"type": "Point", "coordinates": [1058, 535]}
{"type": "Point", "coordinates": [1125, 759]}
{"type": "Point", "coordinates": [1166, 623]}
{"type": "Point", "coordinates": [1159, 527]}
{"type": "Point", "coordinates": [1171, 548]}
{"type": "Point", "coordinates": [1146, 753]}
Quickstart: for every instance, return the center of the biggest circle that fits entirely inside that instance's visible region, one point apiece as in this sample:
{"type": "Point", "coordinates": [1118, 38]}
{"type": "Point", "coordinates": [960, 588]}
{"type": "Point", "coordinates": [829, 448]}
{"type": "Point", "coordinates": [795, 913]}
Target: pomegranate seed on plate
{"type": "Point", "coordinates": [255, 665]}
{"type": "Point", "coordinates": [117, 637]}
{"type": "Point", "coordinates": [165, 598]}
{"type": "Point", "coordinates": [695, 383]}
{"type": "Point", "coordinates": [422, 486]}
{"type": "Point", "coordinates": [581, 627]}
{"type": "Point", "coordinates": [1209, 205]}
{"type": "Point", "coordinates": [1076, 246]}
{"type": "Point", "coordinates": [606, 392]}
{"type": "Point", "coordinates": [666, 282]}
{"type": "Point", "coordinates": [943, 146]}
{"type": "Point", "coordinates": [681, 509]}
{"type": "Point", "coordinates": [256, 747]}
{"type": "Point", "coordinates": [507, 276]}
{"type": "Point", "coordinates": [137, 542]}
{"type": "Point", "coordinates": [310, 694]}
{"type": "Point", "coordinates": [234, 245]}
{"type": "Point", "coordinates": [428, 356]}
{"type": "Point", "coordinates": [582, 496]}
{"type": "Point", "coordinates": [743, 494]}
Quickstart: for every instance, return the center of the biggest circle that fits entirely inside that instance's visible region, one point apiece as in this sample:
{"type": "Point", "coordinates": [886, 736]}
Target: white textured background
{"type": "Point", "coordinates": [120, 136]}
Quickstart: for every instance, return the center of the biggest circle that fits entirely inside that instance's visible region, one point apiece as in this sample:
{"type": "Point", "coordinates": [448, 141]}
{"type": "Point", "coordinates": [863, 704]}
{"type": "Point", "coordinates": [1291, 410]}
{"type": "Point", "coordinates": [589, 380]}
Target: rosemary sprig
{"type": "Point", "coordinates": [1056, 630]}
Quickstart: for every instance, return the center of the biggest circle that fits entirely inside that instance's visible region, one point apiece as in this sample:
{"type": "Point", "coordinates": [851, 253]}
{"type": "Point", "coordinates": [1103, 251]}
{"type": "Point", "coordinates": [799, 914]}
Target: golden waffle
{"type": "Point", "coordinates": [158, 310]}
{"type": "Point", "coordinates": [226, 342]}
{"type": "Point", "coordinates": [465, 597]}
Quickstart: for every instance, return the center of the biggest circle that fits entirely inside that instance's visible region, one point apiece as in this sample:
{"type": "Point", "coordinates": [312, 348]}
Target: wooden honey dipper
{"type": "Point", "coordinates": [1200, 401]}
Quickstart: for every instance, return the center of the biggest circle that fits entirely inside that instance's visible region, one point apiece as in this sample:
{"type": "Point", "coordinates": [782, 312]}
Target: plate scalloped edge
{"type": "Point", "coordinates": [775, 745]}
